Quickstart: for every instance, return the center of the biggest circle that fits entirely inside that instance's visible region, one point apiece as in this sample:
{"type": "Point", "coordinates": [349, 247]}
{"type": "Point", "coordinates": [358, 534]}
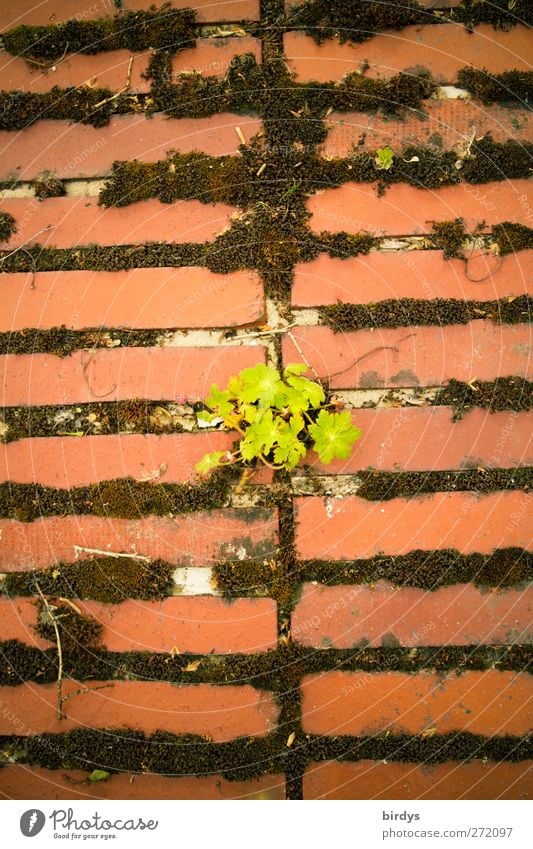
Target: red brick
{"type": "Point", "coordinates": [54, 11]}
{"type": "Point", "coordinates": [212, 56]}
{"type": "Point", "coordinates": [442, 123]}
{"type": "Point", "coordinates": [108, 69]}
{"type": "Point", "coordinates": [363, 704]}
{"type": "Point", "coordinates": [408, 211]}
{"type": "Point", "coordinates": [221, 713]}
{"type": "Point", "coordinates": [117, 374]}
{"type": "Point", "coordinates": [410, 274]}
{"type": "Point", "coordinates": [139, 298]}
{"type": "Point", "coordinates": [80, 221]}
{"type": "Point", "coordinates": [344, 617]}
{"type": "Point", "coordinates": [196, 539]}
{"type": "Point", "coordinates": [351, 527]}
{"type": "Point", "coordinates": [18, 619]}
{"type": "Point", "coordinates": [450, 780]}
{"type": "Point", "coordinates": [418, 439]}
{"type": "Point", "coordinates": [23, 782]}
{"type": "Point", "coordinates": [79, 150]}
{"type": "Point", "coordinates": [442, 49]}
{"type": "Point", "coordinates": [413, 356]}
{"type": "Point", "coordinates": [199, 625]}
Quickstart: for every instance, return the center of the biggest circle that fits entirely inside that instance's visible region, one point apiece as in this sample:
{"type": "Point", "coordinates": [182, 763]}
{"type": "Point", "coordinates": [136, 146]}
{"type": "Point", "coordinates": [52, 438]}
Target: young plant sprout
{"type": "Point", "coordinates": [278, 419]}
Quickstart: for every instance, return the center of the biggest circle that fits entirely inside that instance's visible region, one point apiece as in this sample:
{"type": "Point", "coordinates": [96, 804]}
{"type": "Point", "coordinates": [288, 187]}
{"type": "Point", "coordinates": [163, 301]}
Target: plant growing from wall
{"type": "Point", "coordinates": [279, 418]}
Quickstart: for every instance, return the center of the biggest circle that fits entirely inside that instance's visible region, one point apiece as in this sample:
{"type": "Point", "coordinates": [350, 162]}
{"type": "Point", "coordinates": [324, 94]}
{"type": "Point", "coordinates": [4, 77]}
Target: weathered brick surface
{"type": "Point", "coordinates": [138, 298]}
{"type": "Point", "coordinates": [347, 616]}
{"type": "Point", "coordinates": [220, 713]}
{"type": "Point", "coordinates": [212, 56]}
{"type": "Point", "coordinates": [196, 539]}
{"type": "Point", "coordinates": [363, 703]}
{"type": "Point", "coordinates": [104, 70]}
{"type": "Point", "coordinates": [79, 150]}
{"type": "Point", "coordinates": [413, 356]}
{"type": "Point", "coordinates": [117, 374]}
{"type": "Point", "coordinates": [426, 439]}
{"type": "Point", "coordinates": [408, 211]}
{"type": "Point", "coordinates": [376, 780]}
{"type": "Point", "coordinates": [424, 275]}
{"type": "Point", "coordinates": [442, 123]}
{"type": "Point", "coordinates": [21, 782]}
{"type": "Point", "coordinates": [199, 625]}
{"type": "Point", "coordinates": [68, 221]}
{"type": "Point", "coordinates": [442, 49]}
{"type": "Point", "coordinates": [65, 462]}
{"type": "Point", "coordinates": [351, 527]}
{"type": "Point", "coordinates": [55, 11]}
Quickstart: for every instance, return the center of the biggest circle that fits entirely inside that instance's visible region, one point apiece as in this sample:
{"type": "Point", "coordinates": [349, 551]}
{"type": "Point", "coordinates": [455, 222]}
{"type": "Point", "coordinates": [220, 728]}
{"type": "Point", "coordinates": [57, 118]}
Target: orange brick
{"type": "Point", "coordinates": [451, 780]}
{"type": "Point", "coordinates": [363, 704]}
{"type": "Point", "coordinates": [413, 356]}
{"type": "Point", "coordinates": [79, 150]}
{"type": "Point", "coordinates": [346, 616]}
{"type": "Point", "coordinates": [199, 625]}
{"type": "Point", "coordinates": [196, 539]}
{"type": "Point", "coordinates": [108, 69]}
{"type": "Point", "coordinates": [442, 49]}
{"type": "Point", "coordinates": [186, 297]}
{"type": "Point", "coordinates": [116, 374]}
{"type": "Point", "coordinates": [351, 527]}
{"type": "Point", "coordinates": [410, 274]}
{"type": "Point", "coordinates": [212, 56]}
{"type": "Point", "coordinates": [55, 11]}
{"type": "Point", "coordinates": [221, 713]}
{"type": "Point", "coordinates": [422, 439]}
{"type": "Point", "coordinates": [23, 782]}
{"type": "Point", "coordinates": [63, 462]}
{"type": "Point", "coordinates": [80, 221]}
{"type": "Point", "coordinates": [441, 124]}
{"type": "Point", "coordinates": [408, 211]}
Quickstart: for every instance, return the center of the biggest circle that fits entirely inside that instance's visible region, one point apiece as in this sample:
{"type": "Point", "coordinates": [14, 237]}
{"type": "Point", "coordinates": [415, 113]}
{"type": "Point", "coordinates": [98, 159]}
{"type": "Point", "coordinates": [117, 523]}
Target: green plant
{"type": "Point", "coordinates": [278, 419]}
{"type": "Point", "coordinates": [384, 158]}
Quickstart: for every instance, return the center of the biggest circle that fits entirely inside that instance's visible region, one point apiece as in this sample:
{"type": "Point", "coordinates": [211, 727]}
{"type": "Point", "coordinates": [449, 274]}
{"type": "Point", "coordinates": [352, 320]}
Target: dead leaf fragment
{"type": "Point", "coordinates": [193, 666]}
{"type": "Point", "coordinates": [291, 739]}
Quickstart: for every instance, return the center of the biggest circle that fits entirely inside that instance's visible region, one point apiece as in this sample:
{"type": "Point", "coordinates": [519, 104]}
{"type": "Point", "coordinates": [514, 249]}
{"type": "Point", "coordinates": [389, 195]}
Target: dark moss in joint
{"type": "Point", "coordinates": [505, 393]}
{"type": "Point", "coordinates": [20, 109]}
{"type": "Point", "coordinates": [382, 486]}
{"type": "Point", "coordinates": [46, 185]}
{"type": "Point", "coordinates": [508, 87]}
{"type": "Point", "coordinates": [126, 750]}
{"type": "Point", "coordinates": [76, 630]}
{"type": "Point", "coordinates": [124, 498]}
{"type": "Point", "coordinates": [513, 237]}
{"type": "Point", "coordinates": [171, 29]}
{"type": "Point", "coordinates": [106, 579]}
{"type": "Point", "coordinates": [409, 312]}
{"type": "Point", "coordinates": [7, 226]}
{"type": "Point", "coordinates": [104, 417]}
{"type": "Point", "coordinates": [449, 237]}
{"type": "Point", "coordinates": [427, 570]}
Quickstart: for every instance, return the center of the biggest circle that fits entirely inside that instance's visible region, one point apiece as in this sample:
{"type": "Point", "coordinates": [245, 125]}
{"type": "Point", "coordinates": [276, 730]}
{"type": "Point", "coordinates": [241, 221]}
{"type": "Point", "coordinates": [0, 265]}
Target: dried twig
{"type": "Point", "coordinates": [59, 685]}
{"type": "Point", "coordinates": [47, 66]}
{"type": "Point", "coordinates": [118, 93]}
{"type": "Point", "coordinates": [79, 549]}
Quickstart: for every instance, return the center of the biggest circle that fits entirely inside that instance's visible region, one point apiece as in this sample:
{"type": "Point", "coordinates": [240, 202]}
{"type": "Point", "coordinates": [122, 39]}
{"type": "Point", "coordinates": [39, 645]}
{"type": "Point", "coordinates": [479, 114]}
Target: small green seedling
{"type": "Point", "coordinates": [278, 419]}
{"type": "Point", "coordinates": [384, 158]}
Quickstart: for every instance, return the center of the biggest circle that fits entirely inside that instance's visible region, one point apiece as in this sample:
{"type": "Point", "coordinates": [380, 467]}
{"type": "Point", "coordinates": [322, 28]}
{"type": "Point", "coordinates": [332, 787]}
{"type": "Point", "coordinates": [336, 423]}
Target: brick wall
{"type": "Point", "coordinates": [360, 630]}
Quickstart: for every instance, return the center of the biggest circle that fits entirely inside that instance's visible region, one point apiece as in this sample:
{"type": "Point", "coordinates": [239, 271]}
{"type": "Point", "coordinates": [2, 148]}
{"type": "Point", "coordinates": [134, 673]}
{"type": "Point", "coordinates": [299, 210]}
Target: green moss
{"type": "Point", "coordinates": [20, 109]}
{"type": "Point", "coordinates": [46, 185]}
{"type": "Point", "coordinates": [512, 237]}
{"type": "Point", "coordinates": [504, 393]}
{"type": "Point", "coordinates": [105, 579]}
{"type": "Point", "coordinates": [382, 486]}
{"type": "Point", "coordinates": [449, 237]}
{"type": "Point", "coordinates": [7, 226]}
{"type": "Point", "coordinates": [409, 312]}
{"type": "Point", "coordinates": [125, 498]}
{"type": "Point", "coordinates": [508, 87]}
{"type": "Point", "coordinates": [167, 28]}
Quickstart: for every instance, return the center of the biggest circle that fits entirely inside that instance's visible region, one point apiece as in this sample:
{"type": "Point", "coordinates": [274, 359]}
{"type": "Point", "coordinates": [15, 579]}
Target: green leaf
{"type": "Point", "coordinates": [313, 392]}
{"type": "Point", "coordinates": [294, 368]}
{"type": "Point", "coordinates": [290, 449]}
{"type": "Point", "coordinates": [263, 384]}
{"type": "Point", "coordinates": [261, 436]}
{"type": "Point", "coordinates": [98, 775]}
{"type": "Point", "coordinates": [219, 401]}
{"type": "Point", "coordinates": [209, 462]}
{"type": "Point", "coordinates": [384, 158]}
{"type": "Point", "coordinates": [334, 435]}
